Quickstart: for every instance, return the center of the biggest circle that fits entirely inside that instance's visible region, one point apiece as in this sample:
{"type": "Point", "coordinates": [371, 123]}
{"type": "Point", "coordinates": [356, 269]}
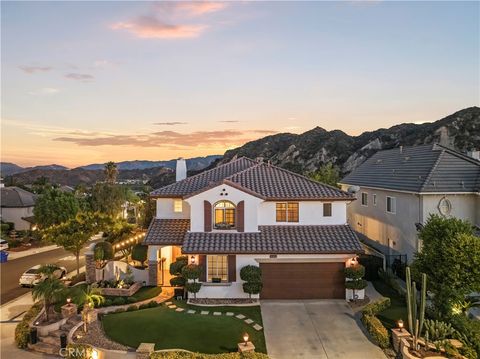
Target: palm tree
{"type": "Point", "coordinates": [111, 172]}
{"type": "Point", "coordinates": [90, 296]}
{"type": "Point", "coordinates": [51, 290]}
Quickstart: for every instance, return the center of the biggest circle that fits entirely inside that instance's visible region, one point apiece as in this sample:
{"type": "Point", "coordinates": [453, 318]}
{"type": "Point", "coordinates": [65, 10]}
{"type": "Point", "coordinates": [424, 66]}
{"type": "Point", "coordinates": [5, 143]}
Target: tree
{"type": "Point", "coordinates": [191, 273]}
{"type": "Point", "coordinates": [450, 258]}
{"type": "Point", "coordinates": [102, 253]}
{"type": "Point", "coordinates": [327, 174]}
{"type": "Point", "coordinates": [111, 172]}
{"type": "Point", "coordinates": [147, 210]}
{"type": "Point", "coordinates": [54, 207]}
{"type": "Point", "coordinates": [76, 232]}
{"type": "Point", "coordinates": [176, 271]}
{"type": "Point", "coordinates": [107, 198]}
{"type": "Point", "coordinates": [140, 253]}
{"type": "Point", "coordinates": [355, 275]}
{"type": "Point", "coordinates": [252, 275]}
{"type": "Point", "coordinates": [51, 290]}
{"type": "Point", "coordinates": [90, 296]}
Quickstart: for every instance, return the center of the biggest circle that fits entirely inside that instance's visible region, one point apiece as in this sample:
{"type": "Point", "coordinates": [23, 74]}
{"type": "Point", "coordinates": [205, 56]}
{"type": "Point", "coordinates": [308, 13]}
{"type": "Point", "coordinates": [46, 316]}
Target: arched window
{"type": "Point", "coordinates": [224, 215]}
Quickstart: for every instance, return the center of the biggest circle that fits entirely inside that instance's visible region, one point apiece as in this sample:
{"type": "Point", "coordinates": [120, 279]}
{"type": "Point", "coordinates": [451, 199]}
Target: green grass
{"type": "Point", "coordinates": [397, 309]}
{"type": "Point", "coordinates": [198, 333]}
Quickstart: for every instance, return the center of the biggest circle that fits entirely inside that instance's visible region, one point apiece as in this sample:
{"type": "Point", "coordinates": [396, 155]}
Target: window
{"type": "Point", "coordinates": [391, 205]}
{"type": "Point", "coordinates": [364, 199]}
{"type": "Point", "coordinates": [374, 199]}
{"type": "Point", "coordinates": [327, 209]}
{"type": "Point", "coordinates": [217, 268]}
{"type": "Point", "coordinates": [177, 205]}
{"type": "Point", "coordinates": [224, 215]}
{"type": "Point", "coordinates": [287, 212]}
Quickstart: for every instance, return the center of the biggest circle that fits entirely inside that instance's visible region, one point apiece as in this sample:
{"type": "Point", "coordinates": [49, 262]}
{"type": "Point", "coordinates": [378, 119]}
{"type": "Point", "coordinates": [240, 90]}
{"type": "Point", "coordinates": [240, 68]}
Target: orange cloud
{"type": "Point", "coordinates": [197, 8]}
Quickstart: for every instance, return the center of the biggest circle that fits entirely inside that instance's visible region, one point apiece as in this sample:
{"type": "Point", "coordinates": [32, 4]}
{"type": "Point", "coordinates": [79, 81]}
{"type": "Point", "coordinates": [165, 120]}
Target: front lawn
{"type": "Point", "coordinates": [142, 294]}
{"type": "Point", "coordinates": [397, 309]}
{"type": "Point", "coordinates": [169, 329]}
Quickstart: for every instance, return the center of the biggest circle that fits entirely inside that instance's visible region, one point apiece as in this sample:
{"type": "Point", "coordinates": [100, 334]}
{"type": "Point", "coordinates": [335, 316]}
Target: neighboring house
{"type": "Point", "coordinates": [398, 189]}
{"type": "Point", "coordinates": [251, 213]}
{"type": "Point", "coordinates": [17, 207]}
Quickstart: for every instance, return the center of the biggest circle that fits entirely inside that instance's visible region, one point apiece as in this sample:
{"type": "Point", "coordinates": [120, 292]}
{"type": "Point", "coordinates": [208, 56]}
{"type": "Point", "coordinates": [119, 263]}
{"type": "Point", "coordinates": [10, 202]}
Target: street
{"type": "Point", "coordinates": [12, 270]}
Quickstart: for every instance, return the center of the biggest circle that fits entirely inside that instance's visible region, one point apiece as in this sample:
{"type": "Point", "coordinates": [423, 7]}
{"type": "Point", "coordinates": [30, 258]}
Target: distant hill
{"type": "Point", "coordinates": [308, 151]}
{"type": "Point", "coordinates": [7, 168]}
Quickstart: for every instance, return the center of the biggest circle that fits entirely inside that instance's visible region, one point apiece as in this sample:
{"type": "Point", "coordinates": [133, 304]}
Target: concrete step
{"type": "Point", "coordinates": [50, 340]}
{"type": "Point", "coordinates": [67, 327]}
{"type": "Point", "coordinates": [45, 348]}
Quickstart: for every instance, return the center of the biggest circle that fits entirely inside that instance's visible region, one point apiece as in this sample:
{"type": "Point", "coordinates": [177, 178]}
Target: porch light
{"type": "Point", "coordinates": [245, 338]}
{"type": "Point", "coordinates": [353, 261]}
{"type": "Point", "coordinates": [192, 259]}
{"type": "Point", "coordinates": [400, 325]}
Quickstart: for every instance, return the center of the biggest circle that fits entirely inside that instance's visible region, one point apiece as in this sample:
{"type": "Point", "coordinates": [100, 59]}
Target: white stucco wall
{"type": "Point", "coordinates": [464, 206]}
{"type": "Point", "coordinates": [165, 209]}
{"type": "Point", "coordinates": [235, 290]}
{"type": "Point", "coordinates": [310, 213]}
{"type": "Point", "coordinates": [214, 195]}
{"type": "Point", "coordinates": [15, 215]}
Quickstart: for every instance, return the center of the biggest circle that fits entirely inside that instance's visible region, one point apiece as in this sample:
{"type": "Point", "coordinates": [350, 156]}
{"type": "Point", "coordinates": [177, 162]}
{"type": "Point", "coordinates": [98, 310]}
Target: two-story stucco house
{"type": "Point", "coordinates": [252, 213]}
{"type": "Point", "coordinates": [398, 189]}
{"type": "Point", "coordinates": [17, 207]}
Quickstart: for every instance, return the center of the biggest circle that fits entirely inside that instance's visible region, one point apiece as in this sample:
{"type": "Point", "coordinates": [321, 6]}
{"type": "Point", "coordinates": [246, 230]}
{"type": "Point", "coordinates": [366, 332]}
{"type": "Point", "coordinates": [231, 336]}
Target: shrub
{"type": "Point", "coordinates": [143, 306]}
{"type": "Point", "coordinates": [103, 252]}
{"type": "Point", "coordinates": [251, 273]}
{"type": "Point", "coordinates": [22, 330]}
{"type": "Point", "coordinates": [389, 279]}
{"type": "Point", "coordinates": [132, 299]}
{"type": "Point", "coordinates": [193, 287]}
{"type": "Point", "coordinates": [188, 355]}
{"type": "Point", "coordinates": [376, 329]}
{"type": "Point", "coordinates": [355, 272]}
{"type": "Point", "coordinates": [468, 331]}
{"type": "Point", "coordinates": [78, 351]}
{"type": "Point", "coordinates": [252, 287]}
{"type": "Point", "coordinates": [119, 310]}
{"type": "Point", "coordinates": [153, 304]}
{"type": "Point", "coordinates": [177, 281]}
{"type": "Point", "coordinates": [132, 308]}
{"type": "Point", "coordinates": [376, 307]}
{"type": "Point", "coordinates": [119, 301]}
{"type": "Point", "coordinates": [356, 284]}
{"type": "Point", "coordinates": [139, 253]}
{"type": "Point", "coordinates": [438, 330]}
{"type": "Point", "coordinates": [107, 303]}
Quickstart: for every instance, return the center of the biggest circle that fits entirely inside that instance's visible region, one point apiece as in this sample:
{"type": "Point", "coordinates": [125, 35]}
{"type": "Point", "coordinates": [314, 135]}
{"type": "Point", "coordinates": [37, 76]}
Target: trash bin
{"type": "Point", "coordinates": [33, 335]}
{"type": "Point", "coordinates": [63, 340]}
{"type": "Point", "coordinates": [3, 256]}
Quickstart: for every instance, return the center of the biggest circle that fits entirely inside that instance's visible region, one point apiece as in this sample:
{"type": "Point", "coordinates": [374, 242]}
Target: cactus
{"type": "Point", "coordinates": [437, 330]}
{"type": "Point", "coordinates": [416, 315]}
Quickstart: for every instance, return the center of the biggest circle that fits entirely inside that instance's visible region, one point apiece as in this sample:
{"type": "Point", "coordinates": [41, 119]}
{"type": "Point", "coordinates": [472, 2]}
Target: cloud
{"type": "Point", "coordinates": [229, 121]}
{"type": "Point", "coordinates": [148, 27]}
{"type": "Point", "coordinates": [79, 77]}
{"type": "Point", "coordinates": [197, 8]}
{"type": "Point", "coordinates": [44, 91]}
{"type": "Point", "coordinates": [225, 138]}
{"type": "Point", "coordinates": [170, 123]}
{"type": "Point", "coordinates": [33, 69]}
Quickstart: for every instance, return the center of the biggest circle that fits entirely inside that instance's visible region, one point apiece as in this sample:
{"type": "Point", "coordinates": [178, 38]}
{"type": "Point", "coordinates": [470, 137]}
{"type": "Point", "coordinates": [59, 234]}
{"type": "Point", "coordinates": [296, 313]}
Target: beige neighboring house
{"type": "Point", "coordinates": [17, 207]}
{"type": "Point", "coordinates": [398, 189]}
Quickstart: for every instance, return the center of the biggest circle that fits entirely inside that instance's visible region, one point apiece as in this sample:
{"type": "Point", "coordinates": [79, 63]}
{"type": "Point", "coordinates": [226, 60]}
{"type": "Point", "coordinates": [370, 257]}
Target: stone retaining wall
{"type": "Point", "coordinates": [121, 292]}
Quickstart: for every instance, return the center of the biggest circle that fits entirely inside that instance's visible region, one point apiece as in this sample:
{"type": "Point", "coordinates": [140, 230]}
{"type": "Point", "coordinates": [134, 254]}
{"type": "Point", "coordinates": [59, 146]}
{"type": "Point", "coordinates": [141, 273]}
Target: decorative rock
{"type": "Point", "coordinates": [179, 310]}
{"type": "Point", "coordinates": [173, 306]}
{"type": "Point", "coordinates": [229, 314]}
{"type": "Point", "coordinates": [248, 321]}
{"type": "Point", "coordinates": [190, 311]}
{"type": "Point", "coordinates": [217, 313]}
{"type": "Point", "coordinates": [240, 316]}
{"type": "Point", "coordinates": [248, 347]}
{"type": "Point", "coordinates": [168, 303]}
{"type": "Point", "coordinates": [257, 327]}
{"type": "Point", "coordinates": [204, 312]}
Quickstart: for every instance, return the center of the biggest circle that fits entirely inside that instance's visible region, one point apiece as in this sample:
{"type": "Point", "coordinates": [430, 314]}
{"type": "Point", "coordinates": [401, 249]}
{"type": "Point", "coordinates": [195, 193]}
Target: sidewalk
{"type": "Point", "coordinates": [28, 252]}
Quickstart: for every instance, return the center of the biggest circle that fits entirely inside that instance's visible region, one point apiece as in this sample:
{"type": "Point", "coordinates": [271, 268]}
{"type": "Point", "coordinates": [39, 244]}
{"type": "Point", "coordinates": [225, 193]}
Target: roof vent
{"type": "Point", "coordinates": [259, 159]}
{"type": "Point", "coordinates": [393, 172]}
{"type": "Point", "coordinates": [401, 149]}
{"type": "Point", "coordinates": [379, 160]}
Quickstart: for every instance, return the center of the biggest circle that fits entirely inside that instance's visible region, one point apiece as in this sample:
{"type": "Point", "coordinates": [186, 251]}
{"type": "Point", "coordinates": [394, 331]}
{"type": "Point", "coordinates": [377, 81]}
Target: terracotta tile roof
{"type": "Point", "coordinates": [259, 179]}
{"type": "Point", "coordinates": [276, 240]}
{"type": "Point", "coordinates": [167, 231]}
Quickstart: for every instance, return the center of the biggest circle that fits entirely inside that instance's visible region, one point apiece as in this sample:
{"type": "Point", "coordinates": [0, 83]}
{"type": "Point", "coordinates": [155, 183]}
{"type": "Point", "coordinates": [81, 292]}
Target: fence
{"type": "Point", "coordinates": [397, 263]}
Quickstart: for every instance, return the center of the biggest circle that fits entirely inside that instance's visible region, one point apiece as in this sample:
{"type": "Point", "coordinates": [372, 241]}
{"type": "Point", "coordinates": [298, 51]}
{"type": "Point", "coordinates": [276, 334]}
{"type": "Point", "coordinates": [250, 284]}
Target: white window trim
{"type": "Point", "coordinates": [374, 199]}
{"type": "Point", "coordinates": [361, 199]}
{"type": "Point", "coordinates": [394, 204]}
{"type": "Point", "coordinates": [175, 202]}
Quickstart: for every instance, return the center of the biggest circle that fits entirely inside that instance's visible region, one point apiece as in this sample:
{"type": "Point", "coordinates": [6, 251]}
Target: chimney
{"type": "Point", "coordinates": [181, 170]}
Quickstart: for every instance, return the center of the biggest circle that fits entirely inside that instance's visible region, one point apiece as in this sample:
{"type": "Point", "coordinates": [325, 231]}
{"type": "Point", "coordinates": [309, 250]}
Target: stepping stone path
{"type": "Point", "coordinates": [257, 327]}
{"type": "Point", "coordinates": [229, 314]}
{"type": "Point", "coordinates": [168, 303]}
{"type": "Point", "coordinates": [204, 312]}
{"type": "Point", "coordinates": [173, 306]}
{"type": "Point", "coordinates": [240, 316]}
{"type": "Point", "coordinates": [217, 313]}
{"type": "Point", "coordinates": [179, 310]}
{"type": "Point", "coordinates": [248, 321]}
{"type": "Point", "coordinates": [190, 311]}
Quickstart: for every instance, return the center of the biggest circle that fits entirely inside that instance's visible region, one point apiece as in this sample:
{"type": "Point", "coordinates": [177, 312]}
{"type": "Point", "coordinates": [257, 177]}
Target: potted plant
{"type": "Point", "coordinates": [355, 284]}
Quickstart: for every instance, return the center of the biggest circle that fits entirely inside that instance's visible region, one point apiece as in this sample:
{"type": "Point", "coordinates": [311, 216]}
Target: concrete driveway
{"type": "Point", "coordinates": [320, 329]}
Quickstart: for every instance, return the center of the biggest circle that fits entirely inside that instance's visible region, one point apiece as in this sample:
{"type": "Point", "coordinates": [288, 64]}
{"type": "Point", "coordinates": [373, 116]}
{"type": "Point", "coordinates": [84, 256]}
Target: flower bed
{"type": "Point", "coordinates": [124, 291]}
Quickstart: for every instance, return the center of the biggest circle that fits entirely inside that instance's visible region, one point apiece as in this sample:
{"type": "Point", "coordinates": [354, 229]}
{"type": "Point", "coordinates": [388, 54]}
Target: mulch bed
{"type": "Point", "coordinates": [222, 301]}
{"type": "Point", "coordinates": [96, 337]}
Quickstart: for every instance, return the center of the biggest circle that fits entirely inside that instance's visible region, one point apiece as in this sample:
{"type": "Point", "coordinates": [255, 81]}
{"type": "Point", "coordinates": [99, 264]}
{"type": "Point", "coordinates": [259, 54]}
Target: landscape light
{"type": "Point", "coordinates": [69, 300]}
{"type": "Point", "coordinates": [400, 325]}
{"type": "Point", "coordinates": [245, 338]}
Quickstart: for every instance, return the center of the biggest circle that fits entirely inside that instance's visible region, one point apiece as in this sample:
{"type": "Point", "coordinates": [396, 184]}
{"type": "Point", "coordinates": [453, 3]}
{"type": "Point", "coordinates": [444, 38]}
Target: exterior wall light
{"type": "Point", "coordinates": [192, 259]}
{"type": "Point", "coordinates": [245, 338]}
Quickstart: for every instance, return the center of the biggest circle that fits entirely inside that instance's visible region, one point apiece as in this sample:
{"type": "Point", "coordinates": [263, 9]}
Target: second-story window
{"type": "Point", "coordinates": [391, 205]}
{"type": "Point", "coordinates": [327, 209]}
{"type": "Point", "coordinates": [374, 199]}
{"type": "Point", "coordinates": [177, 205]}
{"type": "Point", "coordinates": [224, 215]}
{"type": "Point", "coordinates": [364, 199]}
{"type": "Point", "coordinates": [287, 212]}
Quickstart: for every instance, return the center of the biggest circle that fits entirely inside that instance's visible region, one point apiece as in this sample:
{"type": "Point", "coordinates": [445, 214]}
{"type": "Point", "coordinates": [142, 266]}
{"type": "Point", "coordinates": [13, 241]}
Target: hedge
{"type": "Point", "coordinates": [22, 330]}
{"type": "Point", "coordinates": [376, 329]}
{"type": "Point", "coordinates": [187, 355]}
{"type": "Point", "coordinates": [376, 307]}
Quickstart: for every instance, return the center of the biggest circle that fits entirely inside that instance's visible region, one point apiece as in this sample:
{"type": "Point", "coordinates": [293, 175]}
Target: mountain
{"type": "Point", "coordinates": [7, 168]}
{"type": "Point", "coordinates": [194, 164]}
{"type": "Point", "coordinates": [306, 152]}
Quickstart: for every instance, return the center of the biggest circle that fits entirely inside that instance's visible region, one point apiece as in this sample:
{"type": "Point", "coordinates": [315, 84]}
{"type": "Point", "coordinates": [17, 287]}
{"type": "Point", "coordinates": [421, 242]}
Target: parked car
{"type": "Point", "coordinates": [3, 245]}
{"type": "Point", "coordinates": [32, 276]}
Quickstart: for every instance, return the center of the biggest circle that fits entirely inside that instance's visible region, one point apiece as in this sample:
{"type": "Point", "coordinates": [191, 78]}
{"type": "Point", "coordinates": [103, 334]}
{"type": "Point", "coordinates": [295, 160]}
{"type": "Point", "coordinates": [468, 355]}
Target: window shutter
{"type": "Point", "coordinates": [202, 263]}
{"type": "Point", "coordinates": [241, 216]}
{"type": "Point", "coordinates": [207, 215]}
{"type": "Point", "coordinates": [232, 268]}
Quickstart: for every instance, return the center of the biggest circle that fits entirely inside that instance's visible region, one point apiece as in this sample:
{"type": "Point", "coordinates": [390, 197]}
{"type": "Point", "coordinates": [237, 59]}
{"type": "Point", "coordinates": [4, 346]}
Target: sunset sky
{"type": "Point", "coordinates": [89, 82]}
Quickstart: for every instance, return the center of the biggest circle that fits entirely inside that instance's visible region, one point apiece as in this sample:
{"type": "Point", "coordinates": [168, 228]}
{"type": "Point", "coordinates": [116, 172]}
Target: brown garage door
{"type": "Point", "coordinates": [303, 280]}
